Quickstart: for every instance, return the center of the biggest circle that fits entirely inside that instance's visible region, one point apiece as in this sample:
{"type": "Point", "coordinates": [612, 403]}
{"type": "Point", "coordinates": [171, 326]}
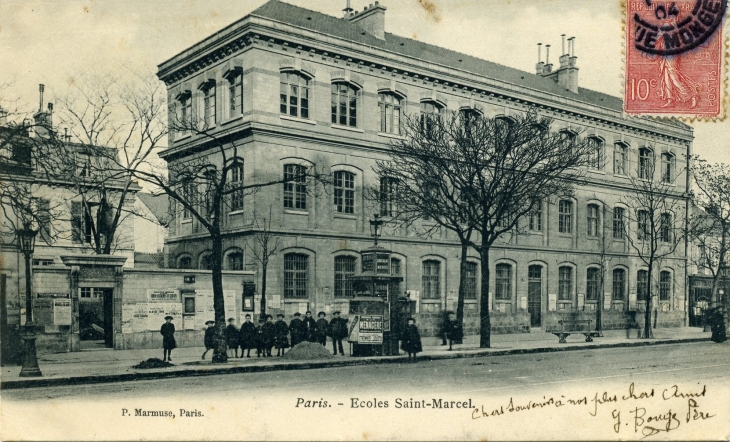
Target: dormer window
{"type": "Point", "coordinates": [345, 97]}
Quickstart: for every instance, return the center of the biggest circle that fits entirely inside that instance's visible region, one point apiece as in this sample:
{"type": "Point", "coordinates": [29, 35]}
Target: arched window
{"type": "Point", "coordinates": [595, 161]}
{"type": "Point", "coordinates": [344, 271]}
{"type": "Point", "coordinates": [234, 260]}
{"type": "Point", "coordinates": [430, 116]}
{"type": "Point", "coordinates": [295, 187]}
{"type": "Point", "coordinates": [235, 93]}
{"type": "Point", "coordinates": [565, 283]}
{"type": "Point", "coordinates": [344, 184]}
{"type": "Point", "coordinates": [619, 284]}
{"type": "Point", "coordinates": [236, 183]}
{"type": "Point", "coordinates": [665, 285]}
{"type": "Point", "coordinates": [619, 158]}
{"type": "Point", "coordinates": [642, 284]}
{"type": "Point", "coordinates": [206, 261]}
{"type": "Point", "coordinates": [296, 275]}
{"type": "Point", "coordinates": [643, 225]}
{"type": "Point", "coordinates": [395, 268]}
{"type": "Point", "coordinates": [667, 167]}
{"type": "Point", "coordinates": [593, 220]}
{"type": "Point", "coordinates": [388, 195]}
{"type": "Point", "coordinates": [470, 283]}
{"type": "Point", "coordinates": [665, 227]}
{"type": "Point", "coordinates": [618, 222]}
{"type": "Point", "coordinates": [503, 282]}
{"type": "Point", "coordinates": [208, 104]}
{"type": "Point", "coordinates": [565, 216]}
{"type": "Point", "coordinates": [568, 136]}
{"type": "Point", "coordinates": [592, 283]}
{"type": "Point", "coordinates": [294, 94]}
{"type": "Point", "coordinates": [184, 113]}
{"type": "Point", "coordinates": [389, 107]}
{"type": "Point", "coordinates": [536, 216]}
{"type": "Point", "coordinates": [469, 117]}
{"type": "Point", "coordinates": [185, 262]}
{"type": "Point", "coordinates": [431, 280]}
{"type": "Point", "coordinates": [646, 163]}
{"type": "Point", "coordinates": [345, 99]}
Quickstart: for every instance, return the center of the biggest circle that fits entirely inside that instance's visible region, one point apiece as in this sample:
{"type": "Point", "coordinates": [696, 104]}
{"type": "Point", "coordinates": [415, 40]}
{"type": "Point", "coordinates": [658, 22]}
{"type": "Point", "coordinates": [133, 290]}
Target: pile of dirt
{"type": "Point", "coordinates": [307, 350]}
{"type": "Point", "coordinates": [153, 363]}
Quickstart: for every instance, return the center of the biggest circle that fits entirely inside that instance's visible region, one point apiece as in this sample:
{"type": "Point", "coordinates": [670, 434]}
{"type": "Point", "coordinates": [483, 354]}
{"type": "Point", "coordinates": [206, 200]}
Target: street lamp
{"type": "Point", "coordinates": [26, 243]}
{"type": "Point", "coordinates": [375, 228]}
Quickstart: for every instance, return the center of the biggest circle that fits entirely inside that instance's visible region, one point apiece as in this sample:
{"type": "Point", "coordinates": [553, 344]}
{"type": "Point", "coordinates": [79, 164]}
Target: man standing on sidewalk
{"type": "Point", "coordinates": [338, 327]}
{"type": "Point", "coordinates": [298, 329]}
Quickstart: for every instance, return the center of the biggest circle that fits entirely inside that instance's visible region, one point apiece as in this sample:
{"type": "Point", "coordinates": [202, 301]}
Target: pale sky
{"type": "Point", "coordinates": [52, 42]}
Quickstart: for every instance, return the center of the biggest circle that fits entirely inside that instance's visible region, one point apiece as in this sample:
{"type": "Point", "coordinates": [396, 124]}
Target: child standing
{"type": "Point", "coordinates": [268, 335]}
{"type": "Point", "coordinates": [232, 336]}
{"type": "Point", "coordinates": [260, 337]}
{"type": "Point", "coordinates": [411, 340]}
{"type": "Point", "coordinates": [168, 338]}
{"type": "Point", "coordinates": [321, 329]}
{"type": "Point", "coordinates": [247, 336]}
{"type": "Point", "coordinates": [282, 335]}
{"type": "Point", "coordinates": [209, 339]}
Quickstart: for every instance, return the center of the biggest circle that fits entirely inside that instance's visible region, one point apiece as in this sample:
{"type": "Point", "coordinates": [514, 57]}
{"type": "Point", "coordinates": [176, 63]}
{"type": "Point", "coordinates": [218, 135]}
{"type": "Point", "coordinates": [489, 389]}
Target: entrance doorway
{"type": "Point", "coordinates": [534, 294]}
{"type": "Point", "coordinates": [699, 302]}
{"type": "Point", "coordinates": [96, 318]}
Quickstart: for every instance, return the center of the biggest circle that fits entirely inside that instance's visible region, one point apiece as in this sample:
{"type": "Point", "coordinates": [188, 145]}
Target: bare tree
{"type": "Point", "coordinates": [469, 173]}
{"type": "Point", "coordinates": [263, 244]}
{"type": "Point", "coordinates": [655, 207]}
{"type": "Point", "coordinates": [709, 226]}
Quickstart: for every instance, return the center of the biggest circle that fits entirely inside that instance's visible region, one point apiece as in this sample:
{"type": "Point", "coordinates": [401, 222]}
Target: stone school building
{"type": "Point", "coordinates": [292, 88]}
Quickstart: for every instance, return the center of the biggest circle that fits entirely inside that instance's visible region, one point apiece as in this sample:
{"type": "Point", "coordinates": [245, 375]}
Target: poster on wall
{"type": "Point", "coordinates": [607, 301]}
{"type": "Point", "coordinates": [163, 295]}
{"type": "Point", "coordinates": [203, 308]}
{"type": "Point", "coordinates": [632, 302]}
{"type": "Point", "coordinates": [370, 329]}
{"type": "Point", "coordinates": [581, 301]}
{"type": "Point", "coordinates": [62, 312]}
{"type": "Point", "coordinates": [156, 312]}
{"type": "Point", "coordinates": [275, 301]}
{"type": "Point", "coordinates": [552, 302]}
{"type": "Point", "coordinates": [188, 322]}
{"type": "Point", "coordinates": [127, 317]}
{"type": "Point", "coordinates": [523, 302]}
{"type": "Point", "coordinates": [229, 303]}
{"type": "Point", "coordinates": [43, 312]}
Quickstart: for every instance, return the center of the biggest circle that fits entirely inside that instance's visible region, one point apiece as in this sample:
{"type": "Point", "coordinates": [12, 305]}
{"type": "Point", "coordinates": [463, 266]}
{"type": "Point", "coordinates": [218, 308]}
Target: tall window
{"type": "Point", "coordinates": [565, 283]}
{"type": "Point", "coordinates": [236, 184]}
{"type": "Point", "coordinates": [503, 282]}
{"type": "Point", "coordinates": [470, 284]}
{"type": "Point", "coordinates": [295, 275]}
{"type": "Point", "coordinates": [235, 261]}
{"type": "Point", "coordinates": [646, 163]}
{"type": "Point", "coordinates": [431, 280]}
{"type": "Point", "coordinates": [619, 284]}
{"type": "Point", "coordinates": [188, 189]}
{"type": "Point", "coordinates": [592, 283]}
{"type": "Point", "coordinates": [430, 115]}
{"type": "Point", "coordinates": [344, 104]}
{"type": "Point", "coordinates": [665, 285]}
{"type": "Point", "coordinates": [565, 216]}
{"type": "Point", "coordinates": [469, 117]}
{"type": "Point", "coordinates": [235, 93]}
{"type": "Point", "coordinates": [643, 225]}
{"type": "Point", "coordinates": [665, 227]}
{"type": "Point", "coordinates": [209, 104]}
{"type": "Point", "coordinates": [596, 153]}
{"type": "Point", "coordinates": [388, 189]}
{"type": "Point", "coordinates": [344, 183]}
{"type": "Point", "coordinates": [592, 220]}
{"type": "Point", "coordinates": [536, 216]}
{"type": "Point", "coordinates": [184, 112]}
{"type": "Point", "coordinates": [619, 158]}
{"type": "Point", "coordinates": [294, 94]}
{"type": "Point", "coordinates": [618, 222]}
{"type": "Point", "coordinates": [667, 167]}
{"type": "Point", "coordinates": [295, 187]}
{"type": "Point", "coordinates": [389, 107]}
{"type": "Point", "coordinates": [344, 271]}
{"type": "Point", "coordinates": [395, 266]}
{"type": "Point", "coordinates": [642, 284]}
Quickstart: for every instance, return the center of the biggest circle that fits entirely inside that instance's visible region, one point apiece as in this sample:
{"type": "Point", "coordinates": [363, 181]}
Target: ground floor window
{"type": "Point", "coordinates": [295, 275]}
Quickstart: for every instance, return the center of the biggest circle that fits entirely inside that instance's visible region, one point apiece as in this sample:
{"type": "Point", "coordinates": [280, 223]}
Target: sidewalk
{"type": "Point", "coordinates": [102, 366]}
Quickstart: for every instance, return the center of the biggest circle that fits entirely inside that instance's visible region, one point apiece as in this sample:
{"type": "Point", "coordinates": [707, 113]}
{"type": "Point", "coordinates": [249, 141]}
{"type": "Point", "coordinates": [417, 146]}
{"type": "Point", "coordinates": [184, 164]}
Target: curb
{"type": "Point", "coordinates": [141, 376]}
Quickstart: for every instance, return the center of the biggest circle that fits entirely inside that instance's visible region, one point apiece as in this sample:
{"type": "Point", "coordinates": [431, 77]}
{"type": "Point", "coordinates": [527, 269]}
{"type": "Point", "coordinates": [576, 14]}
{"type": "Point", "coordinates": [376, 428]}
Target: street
{"type": "Point", "coordinates": [576, 394]}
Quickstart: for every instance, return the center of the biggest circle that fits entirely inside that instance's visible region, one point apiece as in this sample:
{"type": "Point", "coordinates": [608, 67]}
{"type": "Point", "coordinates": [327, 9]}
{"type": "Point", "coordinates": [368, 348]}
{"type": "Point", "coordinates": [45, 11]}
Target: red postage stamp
{"type": "Point", "coordinates": [674, 58]}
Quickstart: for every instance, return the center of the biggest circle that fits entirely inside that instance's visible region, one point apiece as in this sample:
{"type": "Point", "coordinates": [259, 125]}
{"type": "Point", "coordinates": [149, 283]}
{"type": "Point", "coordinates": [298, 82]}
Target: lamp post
{"type": "Point", "coordinates": [26, 243]}
{"type": "Point", "coordinates": [375, 228]}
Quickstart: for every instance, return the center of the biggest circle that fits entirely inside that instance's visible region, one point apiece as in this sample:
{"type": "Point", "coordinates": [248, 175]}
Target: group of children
{"type": "Point", "coordinates": [269, 334]}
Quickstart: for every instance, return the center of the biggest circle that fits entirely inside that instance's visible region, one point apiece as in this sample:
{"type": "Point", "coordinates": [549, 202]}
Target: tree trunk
{"type": "Point", "coordinates": [220, 354]}
{"type": "Point", "coordinates": [485, 325]}
{"type": "Point", "coordinates": [462, 285]}
{"type": "Point", "coordinates": [647, 314]}
{"type": "Point", "coordinates": [264, 266]}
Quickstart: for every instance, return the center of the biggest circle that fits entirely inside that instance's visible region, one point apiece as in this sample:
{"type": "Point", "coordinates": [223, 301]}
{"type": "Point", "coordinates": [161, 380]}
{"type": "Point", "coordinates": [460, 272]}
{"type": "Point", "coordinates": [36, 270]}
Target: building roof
{"type": "Point", "coordinates": [159, 205]}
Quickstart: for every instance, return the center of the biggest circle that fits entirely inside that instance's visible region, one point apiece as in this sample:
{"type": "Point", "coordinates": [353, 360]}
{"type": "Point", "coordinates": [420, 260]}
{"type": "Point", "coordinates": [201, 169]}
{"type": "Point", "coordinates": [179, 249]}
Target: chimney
{"type": "Point", "coordinates": [43, 120]}
{"type": "Point", "coordinates": [567, 74]}
{"type": "Point", "coordinates": [540, 65]}
{"type": "Point", "coordinates": [371, 19]}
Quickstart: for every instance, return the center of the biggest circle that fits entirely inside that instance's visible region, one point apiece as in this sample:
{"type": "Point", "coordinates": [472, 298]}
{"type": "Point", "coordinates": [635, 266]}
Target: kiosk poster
{"type": "Point", "coordinates": [370, 329]}
{"type": "Point", "coordinates": [552, 302]}
{"type": "Point", "coordinates": [607, 301]}
{"type": "Point", "coordinates": [632, 302]}
{"type": "Point", "coordinates": [62, 312]}
{"type": "Point", "coordinates": [164, 295]}
{"type": "Point", "coordinates": [127, 317]}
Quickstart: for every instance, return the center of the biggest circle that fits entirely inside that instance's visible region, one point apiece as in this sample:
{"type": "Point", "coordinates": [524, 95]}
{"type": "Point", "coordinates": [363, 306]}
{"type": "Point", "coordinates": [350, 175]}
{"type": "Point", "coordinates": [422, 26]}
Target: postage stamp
{"type": "Point", "coordinates": [674, 58]}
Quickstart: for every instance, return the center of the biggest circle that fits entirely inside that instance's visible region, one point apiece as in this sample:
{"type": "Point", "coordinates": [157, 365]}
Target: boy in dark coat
{"type": "Point", "coordinates": [168, 338]}
{"type": "Point", "coordinates": [411, 340]}
{"type": "Point", "coordinates": [247, 336]}
{"type": "Point", "coordinates": [453, 331]}
{"type": "Point", "coordinates": [338, 330]}
{"type": "Point", "coordinates": [311, 324]}
{"type": "Point", "coordinates": [209, 339]}
{"type": "Point", "coordinates": [321, 329]}
{"type": "Point", "coordinates": [282, 335]}
{"type": "Point", "coordinates": [268, 335]}
{"type": "Point", "coordinates": [232, 336]}
{"type": "Point", "coordinates": [260, 338]}
{"type": "Point", "coordinates": [298, 329]}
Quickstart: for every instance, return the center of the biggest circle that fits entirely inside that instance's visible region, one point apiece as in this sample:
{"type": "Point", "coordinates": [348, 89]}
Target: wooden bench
{"type": "Point", "coordinates": [575, 326]}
